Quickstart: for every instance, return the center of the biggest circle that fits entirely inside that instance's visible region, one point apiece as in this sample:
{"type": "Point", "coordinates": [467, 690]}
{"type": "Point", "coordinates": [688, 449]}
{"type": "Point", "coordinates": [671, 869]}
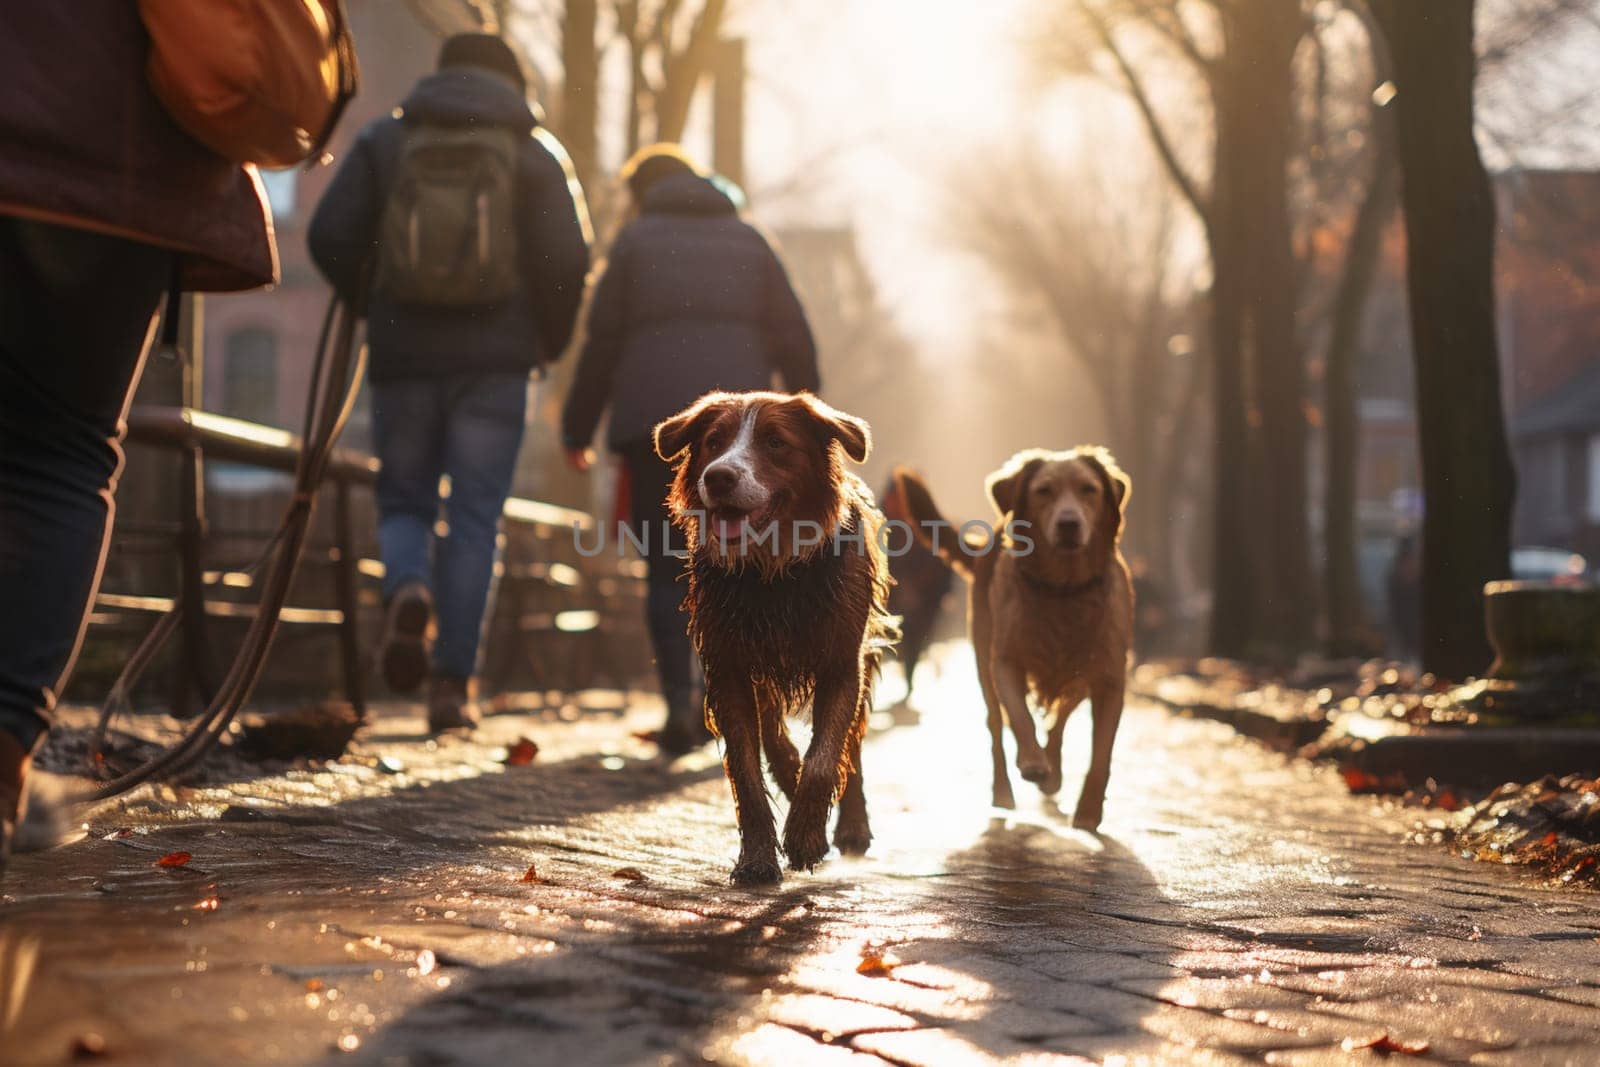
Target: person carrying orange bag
{"type": "Point", "coordinates": [106, 202]}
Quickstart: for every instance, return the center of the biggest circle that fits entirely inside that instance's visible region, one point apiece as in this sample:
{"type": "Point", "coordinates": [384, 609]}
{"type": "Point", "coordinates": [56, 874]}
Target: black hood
{"type": "Point", "coordinates": [465, 94]}
{"type": "Point", "coordinates": [688, 194]}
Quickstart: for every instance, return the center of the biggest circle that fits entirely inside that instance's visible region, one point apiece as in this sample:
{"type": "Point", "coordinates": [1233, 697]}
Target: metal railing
{"type": "Point", "coordinates": [197, 437]}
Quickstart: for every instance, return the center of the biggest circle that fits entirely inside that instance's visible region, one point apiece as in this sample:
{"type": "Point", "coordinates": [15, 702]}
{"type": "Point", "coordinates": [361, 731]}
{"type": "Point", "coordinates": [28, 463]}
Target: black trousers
{"type": "Point", "coordinates": [651, 478]}
{"type": "Point", "coordinates": [76, 317]}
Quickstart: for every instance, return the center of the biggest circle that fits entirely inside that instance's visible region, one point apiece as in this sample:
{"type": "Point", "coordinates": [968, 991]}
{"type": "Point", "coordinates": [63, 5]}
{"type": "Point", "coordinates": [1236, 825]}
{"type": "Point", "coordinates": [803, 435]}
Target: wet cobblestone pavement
{"type": "Point", "coordinates": [1238, 908]}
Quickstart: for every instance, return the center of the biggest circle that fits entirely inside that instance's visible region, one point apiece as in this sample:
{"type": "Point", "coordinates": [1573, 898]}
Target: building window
{"type": "Point", "coordinates": [250, 376]}
{"type": "Point", "coordinates": [1593, 508]}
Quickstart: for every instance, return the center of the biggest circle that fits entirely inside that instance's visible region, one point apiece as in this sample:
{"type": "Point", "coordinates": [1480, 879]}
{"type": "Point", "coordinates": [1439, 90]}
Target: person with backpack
{"type": "Point", "coordinates": [457, 224]}
{"type": "Point", "coordinates": [106, 204]}
{"type": "Point", "coordinates": [693, 299]}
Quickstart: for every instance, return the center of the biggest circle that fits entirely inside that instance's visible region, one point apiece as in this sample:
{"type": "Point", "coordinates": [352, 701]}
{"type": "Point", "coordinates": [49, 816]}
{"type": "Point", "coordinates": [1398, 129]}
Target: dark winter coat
{"type": "Point", "coordinates": [519, 333]}
{"type": "Point", "coordinates": [693, 299]}
{"type": "Point", "coordinates": [85, 143]}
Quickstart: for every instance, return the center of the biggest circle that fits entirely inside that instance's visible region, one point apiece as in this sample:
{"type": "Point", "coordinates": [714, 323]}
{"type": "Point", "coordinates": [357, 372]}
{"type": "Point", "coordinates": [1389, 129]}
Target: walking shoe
{"type": "Point", "coordinates": [450, 705]}
{"type": "Point", "coordinates": [685, 731]}
{"type": "Point", "coordinates": [47, 821]}
{"type": "Point", "coordinates": [404, 653]}
{"type": "Point", "coordinates": [14, 762]}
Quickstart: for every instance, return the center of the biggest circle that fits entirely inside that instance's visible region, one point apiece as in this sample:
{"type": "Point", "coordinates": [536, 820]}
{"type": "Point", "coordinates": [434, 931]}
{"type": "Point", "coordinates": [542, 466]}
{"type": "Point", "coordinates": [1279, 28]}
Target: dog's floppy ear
{"type": "Point", "coordinates": [1117, 484]}
{"type": "Point", "coordinates": [853, 434]}
{"type": "Point", "coordinates": [1008, 484]}
{"type": "Point", "coordinates": [679, 432]}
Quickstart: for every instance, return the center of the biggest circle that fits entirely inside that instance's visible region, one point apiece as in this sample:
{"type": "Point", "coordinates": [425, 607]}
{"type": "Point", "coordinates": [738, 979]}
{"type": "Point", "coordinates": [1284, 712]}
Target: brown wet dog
{"type": "Point", "coordinates": [1051, 609]}
{"type": "Point", "coordinates": [786, 601]}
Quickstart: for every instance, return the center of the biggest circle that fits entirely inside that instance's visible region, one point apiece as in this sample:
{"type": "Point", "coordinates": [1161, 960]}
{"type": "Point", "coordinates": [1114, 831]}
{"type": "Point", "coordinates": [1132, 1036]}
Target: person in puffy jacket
{"type": "Point", "coordinates": [450, 383]}
{"type": "Point", "coordinates": [692, 299]}
{"type": "Point", "coordinates": [105, 203]}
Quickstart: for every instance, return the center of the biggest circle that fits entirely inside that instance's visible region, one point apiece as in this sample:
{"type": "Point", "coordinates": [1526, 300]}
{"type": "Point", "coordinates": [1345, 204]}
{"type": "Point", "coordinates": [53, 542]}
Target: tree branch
{"type": "Point", "coordinates": [1163, 17]}
{"type": "Point", "coordinates": [1157, 131]}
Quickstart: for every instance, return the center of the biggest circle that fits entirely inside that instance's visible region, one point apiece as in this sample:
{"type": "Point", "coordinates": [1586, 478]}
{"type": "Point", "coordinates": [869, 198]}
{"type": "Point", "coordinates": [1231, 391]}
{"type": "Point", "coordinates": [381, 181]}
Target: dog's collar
{"type": "Point", "coordinates": [1044, 585]}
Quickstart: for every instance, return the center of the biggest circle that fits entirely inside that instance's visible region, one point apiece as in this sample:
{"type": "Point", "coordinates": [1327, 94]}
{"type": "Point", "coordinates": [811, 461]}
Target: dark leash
{"type": "Point", "coordinates": [335, 382]}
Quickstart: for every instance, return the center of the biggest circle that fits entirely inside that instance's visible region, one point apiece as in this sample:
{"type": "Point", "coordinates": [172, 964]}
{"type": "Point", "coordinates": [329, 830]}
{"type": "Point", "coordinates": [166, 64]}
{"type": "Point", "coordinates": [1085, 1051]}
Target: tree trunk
{"type": "Point", "coordinates": [1187, 404]}
{"type": "Point", "coordinates": [1261, 567]}
{"type": "Point", "coordinates": [1234, 531]}
{"type": "Point", "coordinates": [1261, 579]}
{"type": "Point", "coordinates": [1468, 480]}
{"type": "Point", "coordinates": [683, 70]}
{"type": "Point", "coordinates": [1342, 439]}
{"type": "Point", "coordinates": [1257, 92]}
{"type": "Point", "coordinates": [1233, 535]}
{"type": "Point", "coordinates": [580, 60]}
{"type": "Point", "coordinates": [727, 109]}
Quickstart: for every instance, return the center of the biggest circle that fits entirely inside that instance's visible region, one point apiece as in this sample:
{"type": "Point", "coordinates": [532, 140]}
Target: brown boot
{"type": "Point", "coordinates": [450, 705]}
{"type": "Point", "coordinates": [404, 652]}
{"type": "Point", "coordinates": [14, 763]}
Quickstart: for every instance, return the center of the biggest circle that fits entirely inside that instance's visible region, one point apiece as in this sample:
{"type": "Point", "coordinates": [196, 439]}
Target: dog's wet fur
{"type": "Point", "coordinates": [1054, 623]}
{"type": "Point", "coordinates": [781, 625]}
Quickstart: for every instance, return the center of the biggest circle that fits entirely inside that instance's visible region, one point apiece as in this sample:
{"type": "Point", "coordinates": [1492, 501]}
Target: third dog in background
{"type": "Point", "coordinates": [1054, 621]}
{"type": "Point", "coordinates": [921, 583]}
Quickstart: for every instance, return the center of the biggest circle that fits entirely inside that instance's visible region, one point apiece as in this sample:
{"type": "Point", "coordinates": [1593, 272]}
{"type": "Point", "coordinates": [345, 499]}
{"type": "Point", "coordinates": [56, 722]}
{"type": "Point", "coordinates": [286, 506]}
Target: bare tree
{"type": "Point", "coordinates": [670, 47]}
{"type": "Point", "coordinates": [1098, 273]}
{"type": "Point", "coordinates": [1241, 61]}
{"type": "Point", "coordinates": [1354, 189]}
{"type": "Point", "coordinates": [1468, 479]}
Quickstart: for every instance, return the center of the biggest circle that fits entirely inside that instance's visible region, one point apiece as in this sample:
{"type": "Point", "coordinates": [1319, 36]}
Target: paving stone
{"type": "Point", "coordinates": [1238, 907]}
{"type": "Point", "coordinates": [832, 1017]}
{"type": "Point", "coordinates": [1256, 1033]}
{"type": "Point", "coordinates": [1213, 994]}
{"type": "Point", "coordinates": [773, 1045]}
{"type": "Point", "coordinates": [947, 1048]}
{"type": "Point", "coordinates": [1562, 1055]}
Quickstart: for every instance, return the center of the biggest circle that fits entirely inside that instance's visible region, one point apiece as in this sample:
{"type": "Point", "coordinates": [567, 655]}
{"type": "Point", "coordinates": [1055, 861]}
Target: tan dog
{"type": "Point", "coordinates": [1051, 608]}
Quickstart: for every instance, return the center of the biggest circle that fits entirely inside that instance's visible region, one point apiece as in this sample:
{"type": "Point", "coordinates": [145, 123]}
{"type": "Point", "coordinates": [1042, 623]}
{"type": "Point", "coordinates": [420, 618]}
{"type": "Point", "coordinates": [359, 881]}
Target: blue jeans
{"type": "Point", "coordinates": [468, 428]}
{"type": "Point", "coordinates": [76, 310]}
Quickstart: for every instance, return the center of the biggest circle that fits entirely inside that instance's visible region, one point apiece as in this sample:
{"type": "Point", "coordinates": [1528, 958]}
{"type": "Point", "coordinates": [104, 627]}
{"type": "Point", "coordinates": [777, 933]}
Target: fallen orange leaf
{"type": "Point", "coordinates": [631, 874]}
{"type": "Point", "coordinates": [174, 859]}
{"type": "Point", "coordinates": [1385, 1044]}
{"type": "Point", "coordinates": [1357, 780]}
{"type": "Point", "coordinates": [874, 965]}
{"type": "Point", "coordinates": [522, 753]}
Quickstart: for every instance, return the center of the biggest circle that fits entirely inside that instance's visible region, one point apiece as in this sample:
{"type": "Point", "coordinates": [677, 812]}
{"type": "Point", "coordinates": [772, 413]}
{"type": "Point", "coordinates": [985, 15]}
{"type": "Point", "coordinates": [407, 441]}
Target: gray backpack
{"type": "Point", "coordinates": [449, 232]}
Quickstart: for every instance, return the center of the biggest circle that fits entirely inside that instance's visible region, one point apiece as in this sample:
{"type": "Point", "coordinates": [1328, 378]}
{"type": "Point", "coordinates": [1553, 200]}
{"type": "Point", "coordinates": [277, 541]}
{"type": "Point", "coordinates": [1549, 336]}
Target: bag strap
{"type": "Point", "coordinates": [170, 332]}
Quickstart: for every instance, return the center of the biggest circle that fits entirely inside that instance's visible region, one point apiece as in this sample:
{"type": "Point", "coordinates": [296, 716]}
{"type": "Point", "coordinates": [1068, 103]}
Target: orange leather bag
{"type": "Point", "coordinates": [258, 81]}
